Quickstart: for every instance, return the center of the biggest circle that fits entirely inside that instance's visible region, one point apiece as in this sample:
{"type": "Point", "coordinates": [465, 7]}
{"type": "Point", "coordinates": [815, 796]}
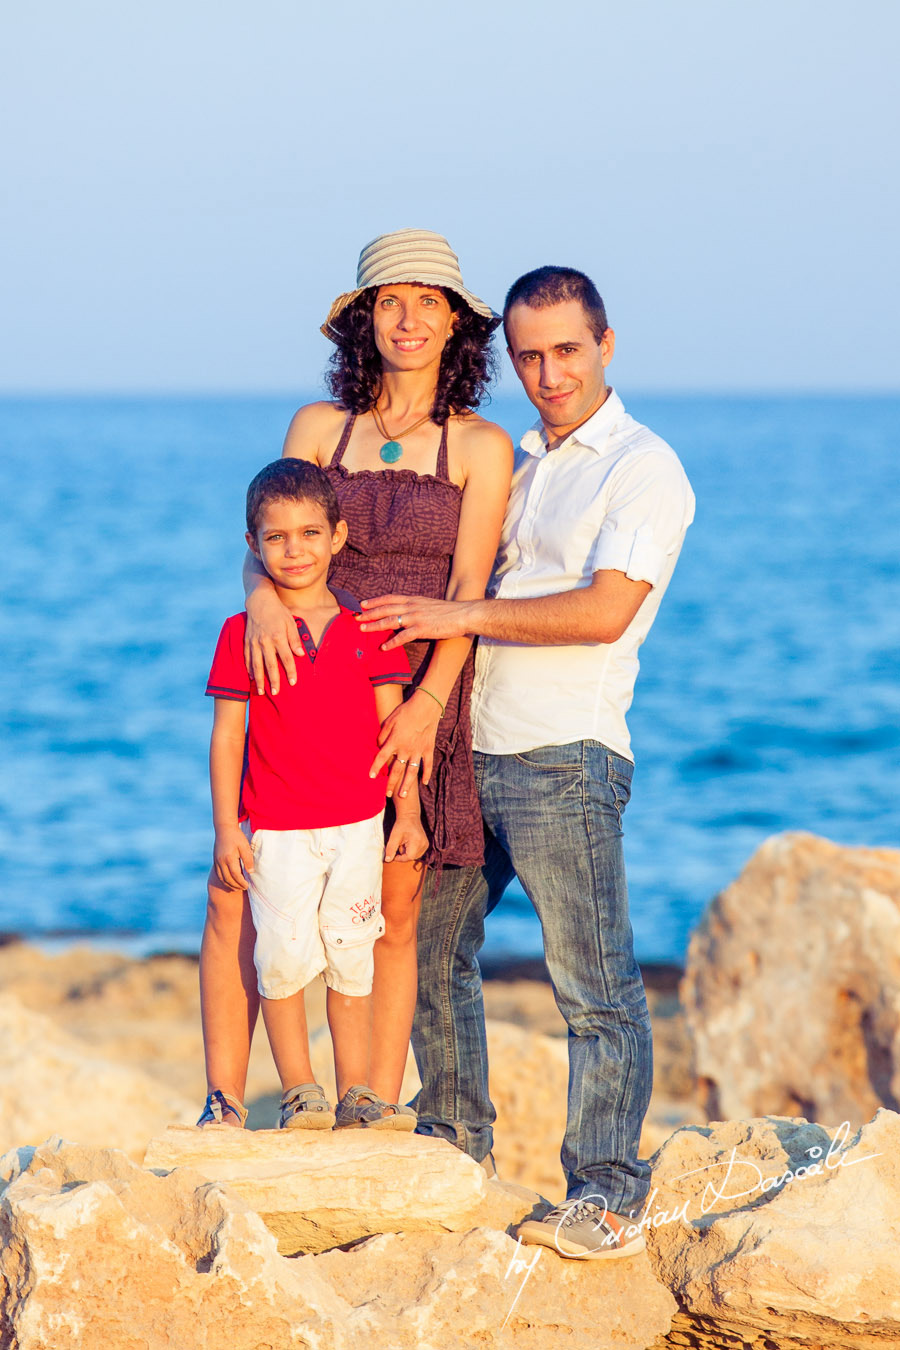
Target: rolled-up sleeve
{"type": "Point", "coordinates": [649, 508]}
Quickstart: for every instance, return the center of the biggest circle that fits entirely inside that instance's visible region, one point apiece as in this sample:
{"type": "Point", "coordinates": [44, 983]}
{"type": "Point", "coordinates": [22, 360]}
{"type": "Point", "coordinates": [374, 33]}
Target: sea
{"type": "Point", "coordinates": [768, 699]}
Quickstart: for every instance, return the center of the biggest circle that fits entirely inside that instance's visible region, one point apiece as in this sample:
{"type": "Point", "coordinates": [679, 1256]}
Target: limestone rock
{"type": "Point", "coordinates": [792, 986]}
{"type": "Point", "coordinates": [316, 1190]}
{"type": "Point", "coordinates": [96, 1252]}
{"type": "Point", "coordinates": [779, 1228]}
{"type": "Point", "coordinates": [453, 1291]}
{"type": "Point", "coordinates": [51, 1083]}
{"type": "Point", "coordinates": [529, 1085]}
{"type": "Point", "coordinates": [529, 1088]}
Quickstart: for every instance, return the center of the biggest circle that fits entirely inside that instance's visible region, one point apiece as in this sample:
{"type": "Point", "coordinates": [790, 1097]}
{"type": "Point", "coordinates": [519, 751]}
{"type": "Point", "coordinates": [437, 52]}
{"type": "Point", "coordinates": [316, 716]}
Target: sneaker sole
{"type": "Point", "coordinates": [539, 1235]}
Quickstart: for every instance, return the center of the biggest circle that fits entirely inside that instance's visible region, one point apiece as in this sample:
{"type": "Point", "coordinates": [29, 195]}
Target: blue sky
{"type": "Point", "coordinates": [186, 186]}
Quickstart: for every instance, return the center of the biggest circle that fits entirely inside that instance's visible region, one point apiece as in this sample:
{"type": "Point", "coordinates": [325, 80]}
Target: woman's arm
{"type": "Point", "coordinates": [226, 760]}
{"type": "Point", "coordinates": [409, 733]}
{"type": "Point", "coordinates": [271, 639]}
{"type": "Point", "coordinates": [408, 839]}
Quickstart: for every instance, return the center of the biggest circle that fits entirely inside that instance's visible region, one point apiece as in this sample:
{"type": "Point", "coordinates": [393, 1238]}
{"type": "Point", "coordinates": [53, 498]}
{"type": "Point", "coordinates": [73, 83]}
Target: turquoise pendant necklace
{"type": "Point", "coordinates": [391, 451]}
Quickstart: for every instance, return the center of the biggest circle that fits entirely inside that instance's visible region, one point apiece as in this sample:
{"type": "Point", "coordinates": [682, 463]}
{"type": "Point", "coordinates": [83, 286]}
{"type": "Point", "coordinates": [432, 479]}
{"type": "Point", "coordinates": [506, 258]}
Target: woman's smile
{"type": "Point", "coordinates": [411, 320]}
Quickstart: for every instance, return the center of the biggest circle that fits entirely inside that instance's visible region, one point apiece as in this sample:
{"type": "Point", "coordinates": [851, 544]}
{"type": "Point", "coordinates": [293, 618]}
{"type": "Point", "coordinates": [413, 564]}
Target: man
{"type": "Point", "coordinates": [597, 514]}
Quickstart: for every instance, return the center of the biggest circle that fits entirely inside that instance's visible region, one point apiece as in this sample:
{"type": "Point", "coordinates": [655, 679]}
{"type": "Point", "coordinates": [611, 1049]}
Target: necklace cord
{"type": "Point", "coordinates": [400, 434]}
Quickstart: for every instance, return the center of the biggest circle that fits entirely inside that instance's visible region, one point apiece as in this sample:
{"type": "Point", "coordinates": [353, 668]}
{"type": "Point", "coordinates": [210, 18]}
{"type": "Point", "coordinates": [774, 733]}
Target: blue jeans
{"type": "Point", "coordinates": [554, 817]}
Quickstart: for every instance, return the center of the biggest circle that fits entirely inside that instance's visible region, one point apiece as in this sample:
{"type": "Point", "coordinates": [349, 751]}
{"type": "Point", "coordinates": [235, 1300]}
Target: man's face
{"type": "Point", "coordinates": [560, 363]}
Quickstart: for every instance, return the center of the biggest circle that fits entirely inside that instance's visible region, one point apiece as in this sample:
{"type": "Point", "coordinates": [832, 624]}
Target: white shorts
{"type": "Point", "coordinates": [315, 896]}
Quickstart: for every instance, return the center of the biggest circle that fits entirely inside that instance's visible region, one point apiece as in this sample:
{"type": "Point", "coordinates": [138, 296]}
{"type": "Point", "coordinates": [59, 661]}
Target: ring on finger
{"type": "Point", "coordinates": [402, 761]}
{"type": "Point", "coordinates": [414, 763]}
{"type": "Point", "coordinates": [399, 623]}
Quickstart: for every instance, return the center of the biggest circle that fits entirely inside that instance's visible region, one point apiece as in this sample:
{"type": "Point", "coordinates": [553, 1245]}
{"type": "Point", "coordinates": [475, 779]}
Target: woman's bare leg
{"type": "Point", "coordinates": [229, 1001]}
{"type": "Point", "coordinates": [396, 977]}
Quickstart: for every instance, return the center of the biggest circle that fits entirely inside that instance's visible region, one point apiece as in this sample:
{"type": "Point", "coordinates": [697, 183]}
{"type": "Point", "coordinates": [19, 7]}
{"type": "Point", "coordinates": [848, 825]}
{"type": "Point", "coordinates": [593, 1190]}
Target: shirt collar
{"type": "Point", "coordinates": [593, 433]}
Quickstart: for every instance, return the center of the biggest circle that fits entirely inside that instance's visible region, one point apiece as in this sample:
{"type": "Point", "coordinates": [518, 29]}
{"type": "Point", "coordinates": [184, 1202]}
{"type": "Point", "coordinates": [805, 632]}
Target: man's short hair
{"type": "Point", "coordinates": [292, 480]}
{"type": "Point", "coordinates": [553, 286]}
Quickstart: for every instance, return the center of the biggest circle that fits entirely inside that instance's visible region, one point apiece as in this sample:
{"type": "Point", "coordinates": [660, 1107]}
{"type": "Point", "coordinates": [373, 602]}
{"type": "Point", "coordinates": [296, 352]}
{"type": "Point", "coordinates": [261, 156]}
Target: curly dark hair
{"type": "Point", "coordinates": [468, 362]}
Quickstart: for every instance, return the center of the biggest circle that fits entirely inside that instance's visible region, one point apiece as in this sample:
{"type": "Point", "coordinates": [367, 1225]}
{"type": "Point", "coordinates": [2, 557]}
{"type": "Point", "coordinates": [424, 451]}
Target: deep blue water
{"type": "Point", "coordinates": [768, 700]}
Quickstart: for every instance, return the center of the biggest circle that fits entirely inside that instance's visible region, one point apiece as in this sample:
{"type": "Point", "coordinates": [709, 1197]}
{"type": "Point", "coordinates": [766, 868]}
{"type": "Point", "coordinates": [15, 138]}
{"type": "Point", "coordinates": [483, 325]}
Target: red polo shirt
{"type": "Point", "coordinates": [309, 747]}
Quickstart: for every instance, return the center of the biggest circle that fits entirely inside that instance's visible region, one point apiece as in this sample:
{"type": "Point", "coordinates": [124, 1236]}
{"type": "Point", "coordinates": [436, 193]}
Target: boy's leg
{"type": "Point", "coordinates": [349, 1021]}
{"type": "Point", "coordinates": [284, 889]}
{"type": "Point", "coordinates": [350, 923]}
{"type": "Point", "coordinates": [229, 1001]}
{"type": "Point", "coordinates": [286, 1028]}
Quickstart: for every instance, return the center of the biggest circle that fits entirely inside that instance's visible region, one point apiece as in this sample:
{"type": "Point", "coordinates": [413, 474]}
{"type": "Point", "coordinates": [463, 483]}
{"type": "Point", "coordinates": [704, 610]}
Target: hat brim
{"type": "Point", "coordinates": [484, 311]}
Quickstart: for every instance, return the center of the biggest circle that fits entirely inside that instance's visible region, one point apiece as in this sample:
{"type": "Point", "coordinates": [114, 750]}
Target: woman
{"type": "Point", "coordinates": [423, 482]}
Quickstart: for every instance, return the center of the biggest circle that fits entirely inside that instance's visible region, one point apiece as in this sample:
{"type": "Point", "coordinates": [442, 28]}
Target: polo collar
{"type": "Point", "coordinates": [594, 433]}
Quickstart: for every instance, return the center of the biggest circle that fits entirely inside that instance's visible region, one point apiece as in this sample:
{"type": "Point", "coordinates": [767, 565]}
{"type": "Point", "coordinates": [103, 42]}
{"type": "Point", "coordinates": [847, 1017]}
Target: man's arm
{"type": "Point", "coordinates": [599, 612]}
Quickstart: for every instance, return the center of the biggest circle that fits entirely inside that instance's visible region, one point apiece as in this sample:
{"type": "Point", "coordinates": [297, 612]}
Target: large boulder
{"type": "Point", "coordinates": [529, 1088]}
{"type": "Point", "coordinates": [792, 985]}
{"type": "Point", "coordinates": [317, 1189]}
{"type": "Point", "coordinates": [95, 1252]}
{"type": "Point", "coordinates": [53, 1083]}
{"type": "Point", "coordinates": [781, 1232]}
{"type": "Point", "coordinates": [453, 1291]}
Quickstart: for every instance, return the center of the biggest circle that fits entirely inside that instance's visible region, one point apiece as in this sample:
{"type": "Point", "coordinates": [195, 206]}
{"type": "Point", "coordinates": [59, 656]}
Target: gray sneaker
{"type": "Point", "coordinates": [579, 1228]}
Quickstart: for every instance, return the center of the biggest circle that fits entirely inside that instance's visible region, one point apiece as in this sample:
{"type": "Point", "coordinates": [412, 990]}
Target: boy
{"type": "Point", "coordinates": [303, 831]}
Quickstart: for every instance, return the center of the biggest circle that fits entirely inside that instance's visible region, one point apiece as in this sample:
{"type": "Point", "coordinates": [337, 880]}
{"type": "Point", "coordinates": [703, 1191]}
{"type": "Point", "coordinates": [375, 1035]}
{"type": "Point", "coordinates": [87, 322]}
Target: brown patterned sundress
{"type": "Point", "coordinates": [402, 533]}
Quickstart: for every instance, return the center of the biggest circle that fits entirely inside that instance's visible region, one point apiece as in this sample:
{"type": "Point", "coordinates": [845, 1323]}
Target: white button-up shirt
{"type": "Point", "coordinates": [612, 496]}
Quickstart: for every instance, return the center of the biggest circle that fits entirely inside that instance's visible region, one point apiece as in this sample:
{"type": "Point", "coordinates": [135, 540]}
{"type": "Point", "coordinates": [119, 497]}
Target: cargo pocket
{"type": "Point", "coordinates": [348, 948]}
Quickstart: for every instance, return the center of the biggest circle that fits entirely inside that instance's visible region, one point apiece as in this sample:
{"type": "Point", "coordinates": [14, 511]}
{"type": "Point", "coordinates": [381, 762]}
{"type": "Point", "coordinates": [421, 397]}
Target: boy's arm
{"type": "Point", "coordinates": [408, 840]}
{"type": "Point", "coordinates": [226, 760]}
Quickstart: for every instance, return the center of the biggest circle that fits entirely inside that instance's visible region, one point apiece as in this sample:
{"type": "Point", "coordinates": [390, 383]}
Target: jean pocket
{"type": "Point", "coordinates": [619, 773]}
{"type": "Point", "coordinates": [554, 758]}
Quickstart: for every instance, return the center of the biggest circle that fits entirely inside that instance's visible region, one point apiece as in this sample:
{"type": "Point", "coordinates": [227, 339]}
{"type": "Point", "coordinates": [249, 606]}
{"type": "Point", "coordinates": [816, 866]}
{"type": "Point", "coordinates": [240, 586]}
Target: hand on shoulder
{"type": "Point", "coordinates": [314, 432]}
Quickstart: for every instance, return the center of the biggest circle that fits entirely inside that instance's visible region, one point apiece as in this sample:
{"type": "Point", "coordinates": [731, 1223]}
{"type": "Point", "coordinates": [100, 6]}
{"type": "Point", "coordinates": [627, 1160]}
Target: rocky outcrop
{"type": "Point", "coordinates": [51, 1082]}
{"type": "Point", "coordinates": [480, 1289]}
{"type": "Point", "coordinates": [792, 986]}
{"type": "Point", "coordinates": [779, 1232]}
{"type": "Point", "coordinates": [316, 1190]}
{"type": "Point", "coordinates": [95, 1251]}
{"type": "Point", "coordinates": [144, 1016]}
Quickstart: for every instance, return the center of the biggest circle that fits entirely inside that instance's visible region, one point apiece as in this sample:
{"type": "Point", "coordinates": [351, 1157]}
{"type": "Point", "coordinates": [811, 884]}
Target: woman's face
{"type": "Point", "coordinates": [411, 325]}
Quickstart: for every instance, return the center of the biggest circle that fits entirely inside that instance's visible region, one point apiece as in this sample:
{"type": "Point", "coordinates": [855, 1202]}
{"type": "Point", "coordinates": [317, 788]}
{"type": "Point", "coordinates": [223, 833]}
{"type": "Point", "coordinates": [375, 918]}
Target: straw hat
{"type": "Point", "coordinates": [407, 256]}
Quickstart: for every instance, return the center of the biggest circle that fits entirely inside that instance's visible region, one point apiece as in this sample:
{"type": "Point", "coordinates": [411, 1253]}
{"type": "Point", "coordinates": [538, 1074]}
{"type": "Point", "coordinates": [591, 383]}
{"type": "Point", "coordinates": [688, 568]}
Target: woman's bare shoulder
{"type": "Point", "coordinates": [477, 436]}
{"type": "Point", "coordinates": [479, 431]}
{"type": "Point", "coordinates": [314, 431]}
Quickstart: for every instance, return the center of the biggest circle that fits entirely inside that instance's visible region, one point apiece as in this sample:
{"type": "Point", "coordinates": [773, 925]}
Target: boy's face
{"type": "Point", "coordinates": [295, 543]}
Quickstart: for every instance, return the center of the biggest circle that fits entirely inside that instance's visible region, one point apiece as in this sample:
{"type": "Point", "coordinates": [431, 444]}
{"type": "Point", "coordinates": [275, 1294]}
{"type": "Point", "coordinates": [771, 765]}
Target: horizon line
{"type": "Point", "coordinates": [307, 395]}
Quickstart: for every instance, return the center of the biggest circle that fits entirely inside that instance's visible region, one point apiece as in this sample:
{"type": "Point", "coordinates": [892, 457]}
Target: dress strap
{"type": "Point", "coordinates": [343, 442]}
{"type": "Point", "coordinates": [442, 469]}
